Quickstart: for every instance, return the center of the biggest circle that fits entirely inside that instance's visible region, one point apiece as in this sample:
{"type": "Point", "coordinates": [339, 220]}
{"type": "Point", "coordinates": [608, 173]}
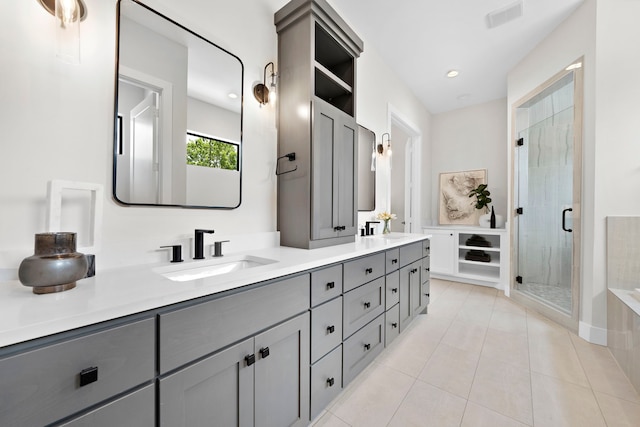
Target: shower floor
{"type": "Point", "coordinates": [558, 297]}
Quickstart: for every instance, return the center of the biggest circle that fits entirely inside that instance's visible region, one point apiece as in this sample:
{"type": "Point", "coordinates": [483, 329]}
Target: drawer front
{"type": "Point", "coordinates": [426, 269]}
{"type": "Point", "coordinates": [43, 385]}
{"type": "Point", "coordinates": [326, 328]}
{"type": "Point", "coordinates": [363, 270]}
{"type": "Point", "coordinates": [326, 284]}
{"type": "Point", "coordinates": [192, 332]}
{"type": "Point", "coordinates": [392, 258]}
{"type": "Point", "coordinates": [361, 348]}
{"type": "Point", "coordinates": [326, 381]}
{"type": "Point", "coordinates": [391, 324]}
{"type": "Point", "coordinates": [362, 305]}
{"type": "Point", "coordinates": [135, 409]}
{"type": "Point", "coordinates": [392, 287]}
{"type": "Point", "coordinates": [426, 247]}
{"type": "Point", "coordinates": [410, 253]}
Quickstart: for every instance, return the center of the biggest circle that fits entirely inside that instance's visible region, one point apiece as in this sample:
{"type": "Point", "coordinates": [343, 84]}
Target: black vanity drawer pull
{"type": "Point", "coordinates": [331, 285]}
{"type": "Point", "coordinates": [88, 376]}
{"type": "Point", "coordinates": [427, 294]}
{"type": "Point", "coordinates": [367, 304]}
{"type": "Point", "coordinates": [394, 290]}
{"type": "Point", "coordinates": [330, 382]}
{"type": "Point", "coordinates": [394, 325]}
{"type": "Point", "coordinates": [367, 346]}
{"type": "Point", "coordinates": [250, 359]}
{"type": "Point", "coordinates": [394, 261]}
{"type": "Point", "coordinates": [368, 270]}
{"type": "Point", "coordinates": [340, 228]}
{"type": "Point", "coordinates": [331, 329]}
{"type": "Point", "coordinates": [264, 352]}
{"type": "Point", "coordinates": [414, 270]}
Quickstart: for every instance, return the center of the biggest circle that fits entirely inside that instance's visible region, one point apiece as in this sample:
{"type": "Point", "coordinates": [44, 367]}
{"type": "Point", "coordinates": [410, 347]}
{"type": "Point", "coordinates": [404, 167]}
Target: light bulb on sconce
{"type": "Point", "coordinates": [68, 14]}
{"type": "Point", "coordinates": [263, 94]}
{"type": "Point", "coordinates": [386, 148]}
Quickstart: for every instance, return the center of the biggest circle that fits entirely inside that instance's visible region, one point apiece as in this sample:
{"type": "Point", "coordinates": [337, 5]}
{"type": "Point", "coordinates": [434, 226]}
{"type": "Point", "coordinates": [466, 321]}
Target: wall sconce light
{"type": "Point", "coordinates": [68, 14]}
{"type": "Point", "coordinates": [264, 94]}
{"type": "Point", "coordinates": [388, 147]}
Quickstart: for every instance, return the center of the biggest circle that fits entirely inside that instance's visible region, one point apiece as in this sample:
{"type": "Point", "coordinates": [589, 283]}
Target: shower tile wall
{"type": "Point", "coordinates": [623, 252]}
{"type": "Point", "coordinates": [545, 189]}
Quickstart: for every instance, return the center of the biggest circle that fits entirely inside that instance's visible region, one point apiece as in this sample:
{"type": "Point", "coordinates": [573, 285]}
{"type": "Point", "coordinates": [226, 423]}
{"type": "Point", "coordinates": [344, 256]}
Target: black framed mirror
{"type": "Point", "coordinates": [178, 115]}
{"type": "Point", "coordinates": [366, 169]}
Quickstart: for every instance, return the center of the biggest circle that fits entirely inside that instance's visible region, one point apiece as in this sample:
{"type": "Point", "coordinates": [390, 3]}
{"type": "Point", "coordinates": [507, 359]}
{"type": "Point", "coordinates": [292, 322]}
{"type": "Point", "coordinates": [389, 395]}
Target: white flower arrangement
{"type": "Point", "coordinates": [385, 216]}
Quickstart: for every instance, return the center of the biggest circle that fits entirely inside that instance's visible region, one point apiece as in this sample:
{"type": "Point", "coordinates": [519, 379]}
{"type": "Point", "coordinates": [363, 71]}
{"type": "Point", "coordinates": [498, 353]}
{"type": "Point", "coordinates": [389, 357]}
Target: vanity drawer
{"type": "Point", "coordinates": [326, 328]}
{"type": "Point", "coordinates": [135, 409]}
{"type": "Point", "coordinates": [192, 332]}
{"type": "Point", "coordinates": [392, 258]}
{"type": "Point", "coordinates": [391, 324]}
{"type": "Point", "coordinates": [326, 381]}
{"type": "Point", "coordinates": [410, 253]}
{"type": "Point", "coordinates": [426, 268]}
{"type": "Point", "coordinates": [44, 385]}
{"type": "Point", "coordinates": [326, 284]}
{"type": "Point", "coordinates": [426, 247]}
{"type": "Point", "coordinates": [392, 287]}
{"type": "Point", "coordinates": [362, 305]}
{"type": "Point", "coordinates": [361, 348]}
{"type": "Point", "coordinates": [363, 270]}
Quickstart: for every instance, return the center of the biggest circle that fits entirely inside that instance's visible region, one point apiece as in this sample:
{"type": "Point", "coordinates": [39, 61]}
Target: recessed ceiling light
{"type": "Point", "coordinates": [452, 73]}
{"type": "Point", "coordinates": [574, 66]}
{"type": "Point", "coordinates": [232, 95]}
{"type": "Point", "coordinates": [464, 97]}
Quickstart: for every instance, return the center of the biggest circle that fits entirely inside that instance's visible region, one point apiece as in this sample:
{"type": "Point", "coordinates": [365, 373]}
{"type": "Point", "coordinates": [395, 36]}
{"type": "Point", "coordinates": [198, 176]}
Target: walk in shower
{"type": "Point", "coordinates": [547, 192]}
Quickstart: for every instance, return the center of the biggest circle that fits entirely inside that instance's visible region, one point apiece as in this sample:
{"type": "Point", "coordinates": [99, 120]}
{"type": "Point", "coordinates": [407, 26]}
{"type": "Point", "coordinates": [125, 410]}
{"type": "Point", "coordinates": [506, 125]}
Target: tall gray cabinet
{"type": "Point", "coordinates": [317, 51]}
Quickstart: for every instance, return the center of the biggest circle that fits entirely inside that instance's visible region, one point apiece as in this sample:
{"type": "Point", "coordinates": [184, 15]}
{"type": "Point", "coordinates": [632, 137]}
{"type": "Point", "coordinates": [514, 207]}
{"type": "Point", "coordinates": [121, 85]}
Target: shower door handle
{"type": "Point", "coordinates": [564, 220]}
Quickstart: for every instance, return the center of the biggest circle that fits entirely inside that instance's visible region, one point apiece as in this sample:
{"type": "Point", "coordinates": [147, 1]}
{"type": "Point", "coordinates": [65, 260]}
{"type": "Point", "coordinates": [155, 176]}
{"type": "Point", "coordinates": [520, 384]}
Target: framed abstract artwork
{"type": "Point", "coordinates": [455, 205]}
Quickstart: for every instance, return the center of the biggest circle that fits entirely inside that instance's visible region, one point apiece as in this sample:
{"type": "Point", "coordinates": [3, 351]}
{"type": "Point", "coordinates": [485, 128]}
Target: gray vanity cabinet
{"type": "Point", "coordinates": [334, 181]}
{"type": "Point", "coordinates": [317, 192]}
{"type": "Point", "coordinates": [64, 375]}
{"type": "Point", "coordinates": [262, 382]}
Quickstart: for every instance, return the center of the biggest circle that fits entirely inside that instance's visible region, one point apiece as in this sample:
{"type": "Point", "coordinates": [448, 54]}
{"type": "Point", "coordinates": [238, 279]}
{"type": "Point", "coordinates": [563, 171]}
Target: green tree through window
{"type": "Point", "coordinates": [211, 153]}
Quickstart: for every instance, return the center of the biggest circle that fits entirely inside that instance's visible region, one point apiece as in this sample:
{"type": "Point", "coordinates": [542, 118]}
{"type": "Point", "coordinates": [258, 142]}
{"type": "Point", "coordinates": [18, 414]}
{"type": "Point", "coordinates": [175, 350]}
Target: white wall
{"type": "Point", "coordinates": [380, 92]}
{"type": "Point", "coordinates": [57, 123]}
{"type": "Point", "coordinates": [467, 139]}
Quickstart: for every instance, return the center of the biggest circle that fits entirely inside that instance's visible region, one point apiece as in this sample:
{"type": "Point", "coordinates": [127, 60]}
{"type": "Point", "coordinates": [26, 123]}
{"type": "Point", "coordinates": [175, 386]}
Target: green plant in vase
{"type": "Point", "coordinates": [482, 197]}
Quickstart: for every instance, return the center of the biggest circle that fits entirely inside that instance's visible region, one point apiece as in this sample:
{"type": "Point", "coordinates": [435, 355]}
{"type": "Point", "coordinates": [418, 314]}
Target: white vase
{"type": "Point", "coordinates": [484, 221]}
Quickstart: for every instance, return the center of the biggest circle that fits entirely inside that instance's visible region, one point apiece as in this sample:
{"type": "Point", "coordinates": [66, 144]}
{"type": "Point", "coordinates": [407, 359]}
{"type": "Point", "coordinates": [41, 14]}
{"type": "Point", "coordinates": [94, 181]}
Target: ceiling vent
{"type": "Point", "coordinates": [504, 14]}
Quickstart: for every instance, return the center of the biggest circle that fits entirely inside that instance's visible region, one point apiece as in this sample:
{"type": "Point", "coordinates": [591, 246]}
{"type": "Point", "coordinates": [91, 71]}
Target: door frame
{"type": "Point", "coordinates": [569, 321]}
{"type": "Point", "coordinates": [412, 182]}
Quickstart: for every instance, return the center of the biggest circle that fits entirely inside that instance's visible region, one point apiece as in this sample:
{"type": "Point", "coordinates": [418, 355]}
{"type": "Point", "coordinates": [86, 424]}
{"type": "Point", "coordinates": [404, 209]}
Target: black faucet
{"type": "Point", "coordinates": [369, 231]}
{"type": "Point", "coordinates": [217, 248]}
{"type": "Point", "coordinates": [199, 243]}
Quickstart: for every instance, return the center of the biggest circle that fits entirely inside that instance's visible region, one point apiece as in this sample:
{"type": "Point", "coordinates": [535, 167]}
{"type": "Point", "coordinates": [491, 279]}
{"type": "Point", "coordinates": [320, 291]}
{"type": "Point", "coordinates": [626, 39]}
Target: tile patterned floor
{"type": "Point", "coordinates": [480, 360]}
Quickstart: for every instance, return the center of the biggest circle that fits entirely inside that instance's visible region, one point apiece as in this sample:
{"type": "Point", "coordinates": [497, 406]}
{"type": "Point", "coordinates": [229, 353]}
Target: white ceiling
{"type": "Point", "coordinates": [422, 39]}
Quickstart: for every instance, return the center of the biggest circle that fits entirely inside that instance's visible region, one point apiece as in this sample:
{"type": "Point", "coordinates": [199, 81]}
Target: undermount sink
{"type": "Point", "coordinates": [202, 269]}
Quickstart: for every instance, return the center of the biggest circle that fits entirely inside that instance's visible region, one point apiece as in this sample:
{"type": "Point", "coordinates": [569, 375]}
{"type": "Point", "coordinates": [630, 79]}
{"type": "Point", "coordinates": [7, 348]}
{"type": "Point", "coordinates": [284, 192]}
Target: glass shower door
{"type": "Point", "coordinates": [545, 166]}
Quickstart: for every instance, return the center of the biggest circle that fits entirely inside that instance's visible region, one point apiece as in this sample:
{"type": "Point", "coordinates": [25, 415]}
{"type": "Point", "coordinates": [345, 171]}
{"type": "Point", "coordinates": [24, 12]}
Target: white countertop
{"type": "Point", "coordinates": [122, 292]}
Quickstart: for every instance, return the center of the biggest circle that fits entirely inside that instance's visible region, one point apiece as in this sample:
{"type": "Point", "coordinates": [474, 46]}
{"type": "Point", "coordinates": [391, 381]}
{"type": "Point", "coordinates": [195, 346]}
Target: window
{"type": "Point", "coordinates": [211, 153]}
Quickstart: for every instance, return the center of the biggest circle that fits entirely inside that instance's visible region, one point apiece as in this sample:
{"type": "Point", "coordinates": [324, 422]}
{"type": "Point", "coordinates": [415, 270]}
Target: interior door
{"type": "Point", "coordinates": [144, 167]}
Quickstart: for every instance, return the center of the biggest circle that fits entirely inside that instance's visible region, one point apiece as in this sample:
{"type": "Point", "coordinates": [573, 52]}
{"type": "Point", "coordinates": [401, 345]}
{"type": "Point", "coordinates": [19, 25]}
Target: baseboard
{"type": "Point", "coordinates": [592, 334]}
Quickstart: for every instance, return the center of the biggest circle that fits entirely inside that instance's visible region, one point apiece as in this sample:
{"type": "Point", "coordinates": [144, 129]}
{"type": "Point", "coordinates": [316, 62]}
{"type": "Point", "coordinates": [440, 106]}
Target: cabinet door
{"type": "Point", "coordinates": [215, 391]}
{"type": "Point", "coordinates": [442, 251]}
{"type": "Point", "coordinates": [282, 375]}
{"type": "Point", "coordinates": [334, 180]}
{"type": "Point", "coordinates": [417, 298]}
{"type": "Point", "coordinates": [406, 310]}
